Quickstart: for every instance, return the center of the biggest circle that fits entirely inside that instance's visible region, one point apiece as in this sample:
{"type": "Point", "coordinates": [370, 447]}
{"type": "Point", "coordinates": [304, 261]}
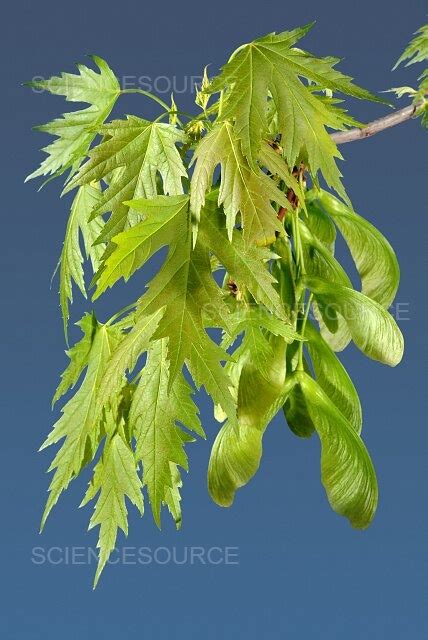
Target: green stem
{"type": "Point", "coordinates": [148, 95]}
{"type": "Point", "coordinates": [155, 98]}
{"type": "Point", "coordinates": [302, 332]}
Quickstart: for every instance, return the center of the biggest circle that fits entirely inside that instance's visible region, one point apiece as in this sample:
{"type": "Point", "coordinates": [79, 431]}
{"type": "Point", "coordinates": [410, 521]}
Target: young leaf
{"type": "Point", "coordinates": [372, 328]}
{"type": "Point", "coordinates": [79, 356]}
{"type": "Point", "coordinates": [417, 50]}
{"type": "Point", "coordinates": [132, 154]}
{"type": "Point", "coordinates": [76, 130]}
{"type": "Point", "coordinates": [172, 498]}
{"type": "Point", "coordinates": [163, 218]}
{"type": "Point", "coordinates": [80, 423]}
{"type": "Point", "coordinates": [153, 418]}
{"type": "Point", "coordinates": [346, 469]}
{"type": "Point", "coordinates": [245, 264]}
{"type": "Point", "coordinates": [71, 260]}
{"type": "Point", "coordinates": [185, 288]}
{"type": "Point", "coordinates": [125, 356]}
{"type": "Point", "coordinates": [242, 189]}
{"type": "Point", "coordinates": [115, 478]}
{"type": "Point", "coordinates": [272, 66]}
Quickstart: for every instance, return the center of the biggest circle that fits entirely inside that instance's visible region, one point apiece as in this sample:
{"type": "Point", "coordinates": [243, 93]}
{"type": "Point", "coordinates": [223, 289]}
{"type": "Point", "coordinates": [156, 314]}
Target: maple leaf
{"type": "Point", "coordinates": [71, 260]}
{"type": "Point", "coordinates": [131, 156]}
{"type": "Point", "coordinates": [78, 354]}
{"type": "Point", "coordinates": [245, 264]}
{"type": "Point", "coordinates": [190, 297]}
{"type": "Point", "coordinates": [125, 356]}
{"type": "Point", "coordinates": [80, 423]}
{"type": "Point", "coordinates": [417, 51]}
{"type": "Point", "coordinates": [172, 498]}
{"type": "Point", "coordinates": [153, 417]}
{"type": "Point", "coordinates": [163, 217]}
{"type": "Point", "coordinates": [76, 130]}
{"type": "Point", "coordinates": [115, 478]}
{"type": "Point", "coordinates": [242, 190]}
{"type": "Point", "coordinates": [270, 68]}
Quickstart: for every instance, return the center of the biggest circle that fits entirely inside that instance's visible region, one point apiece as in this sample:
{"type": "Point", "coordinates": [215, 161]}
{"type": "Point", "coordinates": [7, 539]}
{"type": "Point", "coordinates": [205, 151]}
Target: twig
{"type": "Point", "coordinates": [376, 126]}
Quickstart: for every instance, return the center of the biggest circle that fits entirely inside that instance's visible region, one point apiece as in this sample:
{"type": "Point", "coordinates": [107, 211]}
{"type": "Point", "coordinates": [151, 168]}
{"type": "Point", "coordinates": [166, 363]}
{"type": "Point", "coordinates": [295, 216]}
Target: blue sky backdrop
{"type": "Point", "coordinates": [298, 570]}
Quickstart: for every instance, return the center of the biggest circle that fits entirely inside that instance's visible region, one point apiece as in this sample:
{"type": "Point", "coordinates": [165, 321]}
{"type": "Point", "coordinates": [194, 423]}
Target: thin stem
{"type": "Point", "coordinates": [302, 332]}
{"type": "Point", "coordinates": [156, 99]}
{"type": "Point", "coordinates": [298, 247]}
{"type": "Point", "coordinates": [148, 95]}
{"type": "Point", "coordinates": [391, 120]}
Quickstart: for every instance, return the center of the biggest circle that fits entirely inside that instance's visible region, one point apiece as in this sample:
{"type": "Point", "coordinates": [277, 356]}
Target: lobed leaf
{"type": "Point", "coordinates": [75, 131]}
{"type": "Point", "coordinates": [155, 412]}
{"type": "Point", "coordinates": [115, 478]}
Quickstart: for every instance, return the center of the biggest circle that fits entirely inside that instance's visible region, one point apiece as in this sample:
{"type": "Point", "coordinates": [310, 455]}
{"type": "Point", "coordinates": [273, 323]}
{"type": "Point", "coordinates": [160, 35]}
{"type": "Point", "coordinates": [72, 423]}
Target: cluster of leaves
{"type": "Point", "coordinates": [416, 52]}
{"type": "Point", "coordinates": [249, 251]}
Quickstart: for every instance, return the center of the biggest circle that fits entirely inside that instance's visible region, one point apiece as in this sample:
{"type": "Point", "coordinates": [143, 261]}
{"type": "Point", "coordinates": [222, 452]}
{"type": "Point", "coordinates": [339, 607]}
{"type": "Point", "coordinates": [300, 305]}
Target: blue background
{"type": "Point", "coordinates": [302, 572]}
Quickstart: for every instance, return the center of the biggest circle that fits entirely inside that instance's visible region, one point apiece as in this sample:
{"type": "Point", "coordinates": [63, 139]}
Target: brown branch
{"type": "Point", "coordinates": [376, 126]}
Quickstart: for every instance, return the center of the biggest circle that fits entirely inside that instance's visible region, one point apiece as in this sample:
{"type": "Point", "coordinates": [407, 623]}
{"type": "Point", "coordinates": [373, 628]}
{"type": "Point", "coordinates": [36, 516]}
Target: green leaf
{"type": "Point", "coordinates": [155, 412]}
{"type": "Point", "coordinates": [163, 217]}
{"type": "Point", "coordinates": [236, 453]}
{"type": "Point", "coordinates": [79, 356]}
{"type": "Point", "coordinates": [372, 328]}
{"type": "Point", "coordinates": [115, 478]}
{"type": "Point", "coordinates": [271, 66]}
{"type": "Point", "coordinates": [346, 469]}
{"type": "Point", "coordinates": [76, 130]}
{"type": "Point", "coordinates": [242, 189]}
{"type": "Point", "coordinates": [80, 423]}
{"type": "Point", "coordinates": [186, 289]}
{"type": "Point", "coordinates": [417, 50]}
{"type": "Point", "coordinates": [245, 264]}
{"type": "Point", "coordinates": [172, 498]}
{"type": "Point", "coordinates": [126, 355]}
{"type": "Point", "coordinates": [71, 260]}
{"type": "Point", "coordinates": [133, 153]}
{"type": "Point", "coordinates": [373, 255]}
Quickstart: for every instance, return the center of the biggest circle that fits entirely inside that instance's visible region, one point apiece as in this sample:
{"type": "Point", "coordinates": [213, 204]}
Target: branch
{"type": "Point", "coordinates": [376, 126]}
